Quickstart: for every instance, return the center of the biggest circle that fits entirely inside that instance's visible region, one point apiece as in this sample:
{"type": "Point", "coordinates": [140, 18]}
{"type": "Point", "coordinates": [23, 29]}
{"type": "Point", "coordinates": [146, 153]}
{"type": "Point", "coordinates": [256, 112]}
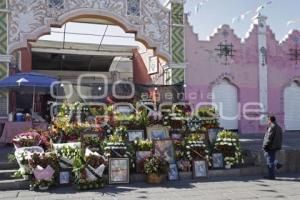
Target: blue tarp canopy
{"type": "Point", "coordinates": [28, 80]}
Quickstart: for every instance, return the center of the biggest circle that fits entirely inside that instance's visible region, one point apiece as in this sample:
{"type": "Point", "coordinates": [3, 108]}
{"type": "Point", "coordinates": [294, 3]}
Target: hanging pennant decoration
{"type": "Point", "coordinates": [242, 16]}
{"type": "Point", "coordinates": [199, 5]}
{"type": "Point", "coordinates": [295, 21]}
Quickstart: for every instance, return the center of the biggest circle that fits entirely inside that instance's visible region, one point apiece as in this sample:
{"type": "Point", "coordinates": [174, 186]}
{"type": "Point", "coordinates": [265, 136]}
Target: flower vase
{"type": "Point", "coordinates": [154, 179]}
{"type": "Point", "coordinates": [25, 177]}
{"type": "Point", "coordinates": [227, 166]}
{"type": "Point", "coordinates": [43, 188]}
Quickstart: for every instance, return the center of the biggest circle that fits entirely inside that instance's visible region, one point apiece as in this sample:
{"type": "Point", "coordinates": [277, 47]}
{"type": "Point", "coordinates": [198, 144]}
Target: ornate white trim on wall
{"type": "Point", "coordinates": [30, 19]}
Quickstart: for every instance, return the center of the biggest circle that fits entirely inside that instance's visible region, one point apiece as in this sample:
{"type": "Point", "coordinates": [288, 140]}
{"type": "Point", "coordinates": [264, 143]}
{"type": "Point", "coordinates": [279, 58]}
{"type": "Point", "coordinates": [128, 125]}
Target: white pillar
{"type": "Point", "coordinates": [261, 21]}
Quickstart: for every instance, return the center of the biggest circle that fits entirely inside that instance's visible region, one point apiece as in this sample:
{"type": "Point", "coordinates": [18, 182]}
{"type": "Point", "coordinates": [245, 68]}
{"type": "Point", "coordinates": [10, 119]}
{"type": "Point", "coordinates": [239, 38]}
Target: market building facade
{"type": "Point", "coordinates": [223, 69]}
{"type": "Point", "coordinates": [234, 73]}
{"type": "Point", "coordinates": [159, 29]}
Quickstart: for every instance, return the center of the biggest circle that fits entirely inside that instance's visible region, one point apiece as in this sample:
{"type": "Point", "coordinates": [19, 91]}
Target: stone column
{"type": "Point", "coordinates": [261, 21]}
{"type": "Point", "coordinates": [4, 58]}
{"type": "Point", "coordinates": [176, 72]}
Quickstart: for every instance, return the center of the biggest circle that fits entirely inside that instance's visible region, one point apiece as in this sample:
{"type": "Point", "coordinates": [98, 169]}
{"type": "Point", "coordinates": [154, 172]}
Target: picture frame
{"type": "Point", "coordinates": [118, 170]}
{"type": "Point", "coordinates": [176, 136]}
{"type": "Point", "coordinates": [165, 150]}
{"type": "Point", "coordinates": [64, 177]}
{"type": "Point", "coordinates": [135, 134]}
{"type": "Point", "coordinates": [157, 132]}
{"type": "Point", "coordinates": [153, 65]}
{"type": "Point", "coordinates": [173, 173]}
{"type": "Point", "coordinates": [213, 134]}
{"type": "Point", "coordinates": [140, 157]}
{"type": "Point", "coordinates": [218, 160]}
{"type": "Point", "coordinates": [200, 169]}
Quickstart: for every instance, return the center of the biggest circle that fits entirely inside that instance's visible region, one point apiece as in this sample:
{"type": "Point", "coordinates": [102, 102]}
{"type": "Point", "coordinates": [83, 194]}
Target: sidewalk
{"type": "Point", "coordinates": [287, 187]}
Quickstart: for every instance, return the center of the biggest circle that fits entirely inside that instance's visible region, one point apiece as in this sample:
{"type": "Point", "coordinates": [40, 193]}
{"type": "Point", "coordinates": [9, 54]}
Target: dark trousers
{"type": "Point", "coordinates": [271, 157]}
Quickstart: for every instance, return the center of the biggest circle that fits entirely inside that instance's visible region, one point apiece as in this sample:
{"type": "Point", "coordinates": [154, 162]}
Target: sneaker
{"type": "Point", "coordinates": [278, 166]}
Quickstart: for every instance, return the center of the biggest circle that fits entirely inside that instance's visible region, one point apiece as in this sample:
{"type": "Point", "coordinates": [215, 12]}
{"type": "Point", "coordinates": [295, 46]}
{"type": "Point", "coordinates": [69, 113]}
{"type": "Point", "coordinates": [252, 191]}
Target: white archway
{"type": "Point", "coordinates": [150, 21]}
{"type": "Point", "coordinates": [292, 107]}
{"type": "Point", "coordinates": [225, 97]}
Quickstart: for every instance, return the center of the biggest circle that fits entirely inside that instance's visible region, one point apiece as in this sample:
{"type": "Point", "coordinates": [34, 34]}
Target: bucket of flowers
{"type": "Point", "coordinates": [156, 169]}
{"type": "Point", "coordinates": [27, 139]}
{"type": "Point", "coordinates": [22, 155]}
{"type": "Point", "coordinates": [66, 154]}
{"type": "Point", "coordinates": [45, 168]}
{"type": "Point", "coordinates": [228, 143]}
{"type": "Point", "coordinates": [89, 170]}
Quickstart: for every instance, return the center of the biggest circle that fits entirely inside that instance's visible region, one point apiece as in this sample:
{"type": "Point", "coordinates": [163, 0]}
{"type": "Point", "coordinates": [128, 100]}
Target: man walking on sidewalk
{"type": "Point", "coordinates": [272, 143]}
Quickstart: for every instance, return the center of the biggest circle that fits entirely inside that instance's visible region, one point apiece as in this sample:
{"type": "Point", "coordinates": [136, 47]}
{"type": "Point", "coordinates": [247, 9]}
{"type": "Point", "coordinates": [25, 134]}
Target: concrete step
{"type": "Point", "coordinates": [15, 184]}
{"type": "Point", "coordinates": [8, 165]}
{"type": "Point", "coordinates": [7, 174]}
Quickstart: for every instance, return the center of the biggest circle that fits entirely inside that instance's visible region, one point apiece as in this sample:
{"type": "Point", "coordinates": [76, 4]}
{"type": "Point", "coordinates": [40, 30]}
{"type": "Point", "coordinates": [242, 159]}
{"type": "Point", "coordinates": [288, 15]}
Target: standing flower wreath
{"type": "Point", "coordinates": [228, 143]}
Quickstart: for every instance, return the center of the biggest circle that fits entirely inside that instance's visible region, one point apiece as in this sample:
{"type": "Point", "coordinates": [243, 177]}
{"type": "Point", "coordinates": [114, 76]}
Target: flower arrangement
{"type": "Point", "coordinates": [155, 165]}
{"type": "Point", "coordinates": [45, 168]}
{"type": "Point", "coordinates": [115, 146]}
{"type": "Point", "coordinates": [27, 139]}
{"type": "Point", "coordinates": [91, 141]}
{"type": "Point", "coordinates": [143, 145]}
{"type": "Point", "coordinates": [88, 170]}
{"type": "Point", "coordinates": [228, 143]}
{"type": "Point", "coordinates": [196, 147]}
{"type": "Point", "coordinates": [209, 117]}
{"type": "Point", "coordinates": [175, 121]}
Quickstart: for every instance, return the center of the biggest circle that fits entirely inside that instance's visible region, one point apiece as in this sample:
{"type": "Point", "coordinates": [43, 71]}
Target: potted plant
{"type": "Point", "coordinates": [155, 168]}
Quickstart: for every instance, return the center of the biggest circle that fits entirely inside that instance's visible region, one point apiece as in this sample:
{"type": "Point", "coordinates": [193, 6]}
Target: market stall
{"type": "Point", "coordinates": [90, 146]}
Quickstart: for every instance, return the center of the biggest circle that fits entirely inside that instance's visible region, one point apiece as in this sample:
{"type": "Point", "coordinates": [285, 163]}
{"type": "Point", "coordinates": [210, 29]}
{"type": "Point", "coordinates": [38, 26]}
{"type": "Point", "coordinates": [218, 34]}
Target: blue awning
{"type": "Point", "coordinates": [28, 80]}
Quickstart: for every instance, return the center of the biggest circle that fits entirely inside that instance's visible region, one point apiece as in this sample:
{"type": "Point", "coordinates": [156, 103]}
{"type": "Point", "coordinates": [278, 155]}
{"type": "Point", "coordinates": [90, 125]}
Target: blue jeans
{"type": "Point", "coordinates": [271, 157]}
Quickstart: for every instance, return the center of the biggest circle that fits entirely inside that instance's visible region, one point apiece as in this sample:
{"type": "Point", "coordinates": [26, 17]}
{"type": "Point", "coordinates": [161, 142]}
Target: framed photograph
{"type": "Point", "coordinates": [141, 156]}
{"type": "Point", "coordinates": [157, 133]}
{"type": "Point", "coordinates": [173, 174]}
{"type": "Point", "coordinates": [135, 135]}
{"type": "Point", "coordinates": [200, 169]}
{"type": "Point", "coordinates": [64, 178]}
{"type": "Point", "coordinates": [124, 109]}
{"type": "Point", "coordinates": [165, 150]}
{"type": "Point", "coordinates": [176, 136]}
{"type": "Point", "coordinates": [118, 170]}
{"type": "Point", "coordinates": [218, 160]}
{"type": "Point", "coordinates": [213, 134]}
{"type": "Point", "coordinates": [153, 65]}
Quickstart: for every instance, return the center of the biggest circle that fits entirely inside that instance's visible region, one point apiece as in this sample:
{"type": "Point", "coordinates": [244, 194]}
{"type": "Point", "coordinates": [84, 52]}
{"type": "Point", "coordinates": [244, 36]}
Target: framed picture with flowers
{"type": "Point", "coordinates": [200, 169]}
{"type": "Point", "coordinates": [157, 132]}
{"type": "Point", "coordinates": [165, 150]}
{"type": "Point", "coordinates": [118, 170]}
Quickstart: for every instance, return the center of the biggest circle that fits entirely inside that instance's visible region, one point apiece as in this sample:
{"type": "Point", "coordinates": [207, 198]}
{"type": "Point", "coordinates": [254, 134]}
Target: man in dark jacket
{"type": "Point", "coordinates": [272, 143]}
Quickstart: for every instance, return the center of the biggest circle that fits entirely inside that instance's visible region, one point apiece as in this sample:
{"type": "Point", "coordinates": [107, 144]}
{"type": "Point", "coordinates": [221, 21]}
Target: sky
{"type": "Point", "coordinates": [214, 13]}
{"type": "Point", "coordinates": [209, 16]}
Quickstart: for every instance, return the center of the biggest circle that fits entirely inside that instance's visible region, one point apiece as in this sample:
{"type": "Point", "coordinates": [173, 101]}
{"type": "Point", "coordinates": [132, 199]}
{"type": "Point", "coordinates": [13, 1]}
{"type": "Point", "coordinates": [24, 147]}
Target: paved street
{"type": "Point", "coordinates": [287, 187]}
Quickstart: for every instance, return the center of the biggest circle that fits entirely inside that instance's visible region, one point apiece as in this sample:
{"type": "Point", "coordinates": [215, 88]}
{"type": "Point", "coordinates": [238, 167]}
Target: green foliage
{"type": "Point", "coordinates": [155, 165]}
{"type": "Point", "coordinates": [143, 145]}
{"type": "Point", "coordinates": [11, 158]}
